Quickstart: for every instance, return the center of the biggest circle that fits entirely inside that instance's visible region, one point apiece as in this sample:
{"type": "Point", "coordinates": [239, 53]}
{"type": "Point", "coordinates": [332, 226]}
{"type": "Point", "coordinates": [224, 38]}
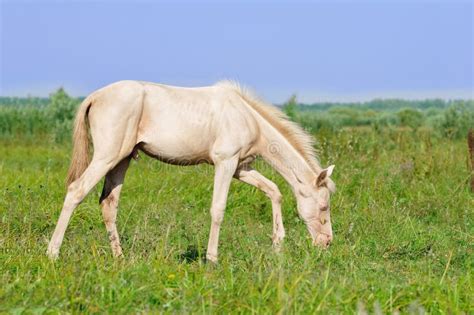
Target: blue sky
{"type": "Point", "coordinates": [321, 50]}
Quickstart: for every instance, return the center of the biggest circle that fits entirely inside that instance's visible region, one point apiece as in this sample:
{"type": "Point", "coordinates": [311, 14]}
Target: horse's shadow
{"type": "Point", "coordinates": [192, 254]}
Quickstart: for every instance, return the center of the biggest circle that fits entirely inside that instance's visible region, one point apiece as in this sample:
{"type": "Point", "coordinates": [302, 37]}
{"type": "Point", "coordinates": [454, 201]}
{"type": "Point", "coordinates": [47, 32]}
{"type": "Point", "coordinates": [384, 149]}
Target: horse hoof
{"type": "Point", "coordinates": [52, 254]}
{"type": "Point", "coordinates": [212, 259]}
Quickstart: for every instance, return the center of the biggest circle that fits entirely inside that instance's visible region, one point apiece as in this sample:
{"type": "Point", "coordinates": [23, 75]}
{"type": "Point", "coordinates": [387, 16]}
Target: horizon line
{"type": "Point", "coordinates": [303, 96]}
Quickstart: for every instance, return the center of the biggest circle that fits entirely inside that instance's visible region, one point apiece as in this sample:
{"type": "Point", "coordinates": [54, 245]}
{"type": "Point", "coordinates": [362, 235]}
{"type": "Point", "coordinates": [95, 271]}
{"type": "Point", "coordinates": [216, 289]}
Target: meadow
{"type": "Point", "coordinates": [402, 219]}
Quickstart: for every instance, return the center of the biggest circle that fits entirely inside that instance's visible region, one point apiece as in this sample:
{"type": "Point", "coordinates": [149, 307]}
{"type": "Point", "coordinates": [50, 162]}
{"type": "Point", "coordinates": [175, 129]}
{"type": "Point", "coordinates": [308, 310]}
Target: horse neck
{"type": "Point", "coordinates": [285, 159]}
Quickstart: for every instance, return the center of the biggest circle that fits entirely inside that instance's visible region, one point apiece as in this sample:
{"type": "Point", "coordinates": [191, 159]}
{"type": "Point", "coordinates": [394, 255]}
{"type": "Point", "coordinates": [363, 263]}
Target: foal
{"type": "Point", "coordinates": [222, 125]}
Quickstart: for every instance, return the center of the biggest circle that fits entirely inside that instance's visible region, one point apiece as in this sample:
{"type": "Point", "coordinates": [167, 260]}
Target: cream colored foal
{"type": "Point", "coordinates": [222, 125]}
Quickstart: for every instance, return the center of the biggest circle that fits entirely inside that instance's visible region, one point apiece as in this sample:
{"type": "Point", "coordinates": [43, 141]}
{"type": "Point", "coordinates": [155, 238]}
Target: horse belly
{"type": "Point", "coordinates": [177, 140]}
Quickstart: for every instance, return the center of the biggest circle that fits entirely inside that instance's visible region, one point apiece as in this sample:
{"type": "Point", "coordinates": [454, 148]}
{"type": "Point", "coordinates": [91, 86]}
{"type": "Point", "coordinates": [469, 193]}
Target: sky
{"type": "Point", "coordinates": [320, 50]}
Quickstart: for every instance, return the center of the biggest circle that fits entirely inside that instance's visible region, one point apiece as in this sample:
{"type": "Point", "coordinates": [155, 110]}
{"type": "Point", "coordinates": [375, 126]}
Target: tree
{"type": "Point", "coordinates": [62, 108]}
{"type": "Point", "coordinates": [290, 107]}
{"type": "Point", "coordinates": [410, 117]}
{"type": "Point", "coordinates": [458, 118]}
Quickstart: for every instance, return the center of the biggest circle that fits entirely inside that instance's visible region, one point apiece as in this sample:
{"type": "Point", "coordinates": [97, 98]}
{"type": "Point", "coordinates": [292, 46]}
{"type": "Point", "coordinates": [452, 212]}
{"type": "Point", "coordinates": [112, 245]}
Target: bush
{"type": "Point", "coordinates": [61, 110]}
{"type": "Point", "coordinates": [290, 107]}
{"type": "Point", "coordinates": [457, 119]}
{"type": "Point", "coordinates": [410, 118]}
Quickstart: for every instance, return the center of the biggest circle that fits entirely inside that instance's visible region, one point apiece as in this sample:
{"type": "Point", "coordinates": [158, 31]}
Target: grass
{"type": "Point", "coordinates": [402, 218]}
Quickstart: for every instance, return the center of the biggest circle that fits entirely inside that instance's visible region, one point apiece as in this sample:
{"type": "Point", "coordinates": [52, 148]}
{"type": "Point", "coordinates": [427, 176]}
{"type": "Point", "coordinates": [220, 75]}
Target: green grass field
{"type": "Point", "coordinates": [402, 219]}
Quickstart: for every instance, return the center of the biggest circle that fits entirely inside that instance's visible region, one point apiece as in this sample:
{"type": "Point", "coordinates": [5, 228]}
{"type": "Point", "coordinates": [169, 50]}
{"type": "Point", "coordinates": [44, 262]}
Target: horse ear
{"type": "Point", "coordinates": [330, 169]}
{"type": "Point", "coordinates": [321, 178]}
{"type": "Point", "coordinates": [324, 175]}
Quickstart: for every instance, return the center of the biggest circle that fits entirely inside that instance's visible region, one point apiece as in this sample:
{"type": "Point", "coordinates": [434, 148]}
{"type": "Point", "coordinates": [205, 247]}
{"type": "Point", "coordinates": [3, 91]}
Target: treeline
{"type": "Point", "coordinates": [24, 101]}
{"type": "Point", "coordinates": [450, 119]}
{"type": "Point", "coordinates": [53, 117]}
{"type": "Point", "coordinates": [381, 104]}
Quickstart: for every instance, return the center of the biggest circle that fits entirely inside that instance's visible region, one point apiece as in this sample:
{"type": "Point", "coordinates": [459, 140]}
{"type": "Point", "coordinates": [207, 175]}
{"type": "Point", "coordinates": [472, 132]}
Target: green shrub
{"type": "Point", "coordinates": [457, 119]}
{"type": "Point", "coordinates": [290, 107]}
{"type": "Point", "coordinates": [410, 117]}
{"type": "Point", "coordinates": [61, 110]}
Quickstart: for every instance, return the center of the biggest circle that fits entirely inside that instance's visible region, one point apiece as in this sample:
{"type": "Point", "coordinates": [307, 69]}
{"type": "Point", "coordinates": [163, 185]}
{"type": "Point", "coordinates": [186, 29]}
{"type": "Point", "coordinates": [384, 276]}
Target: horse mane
{"type": "Point", "coordinates": [298, 138]}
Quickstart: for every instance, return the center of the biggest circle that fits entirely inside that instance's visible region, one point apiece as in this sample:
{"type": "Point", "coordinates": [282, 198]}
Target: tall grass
{"type": "Point", "coordinates": [402, 219]}
{"type": "Point", "coordinates": [32, 117]}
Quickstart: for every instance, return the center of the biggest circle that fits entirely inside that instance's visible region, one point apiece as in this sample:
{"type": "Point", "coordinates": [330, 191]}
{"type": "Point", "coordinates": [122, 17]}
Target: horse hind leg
{"type": "Point", "coordinates": [113, 122]}
{"type": "Point", "coordinates": [77, 191]}
{"type": "Point", "coordinates": [109, 202]}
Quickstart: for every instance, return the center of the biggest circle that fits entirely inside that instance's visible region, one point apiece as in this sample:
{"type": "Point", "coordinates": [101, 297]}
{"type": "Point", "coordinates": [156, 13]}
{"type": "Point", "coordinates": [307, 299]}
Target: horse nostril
{"type": "Point", "coordinates": [325, 208]}
{"type": "Point", "coordinates": [329, 240]}
{"type": "Point", "coordinates": [323, 240]}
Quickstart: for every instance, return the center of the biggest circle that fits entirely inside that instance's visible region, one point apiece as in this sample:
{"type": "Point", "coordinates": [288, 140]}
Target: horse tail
{"type": "Point", "coordinates": [80, 151]}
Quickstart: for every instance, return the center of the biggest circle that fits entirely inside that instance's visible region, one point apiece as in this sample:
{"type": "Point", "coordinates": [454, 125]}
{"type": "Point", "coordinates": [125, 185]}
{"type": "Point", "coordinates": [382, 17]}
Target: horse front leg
{"type": "Point", "coordinates": [254, 178]}
{"type": "Point", "coordinates": [224, 170]}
